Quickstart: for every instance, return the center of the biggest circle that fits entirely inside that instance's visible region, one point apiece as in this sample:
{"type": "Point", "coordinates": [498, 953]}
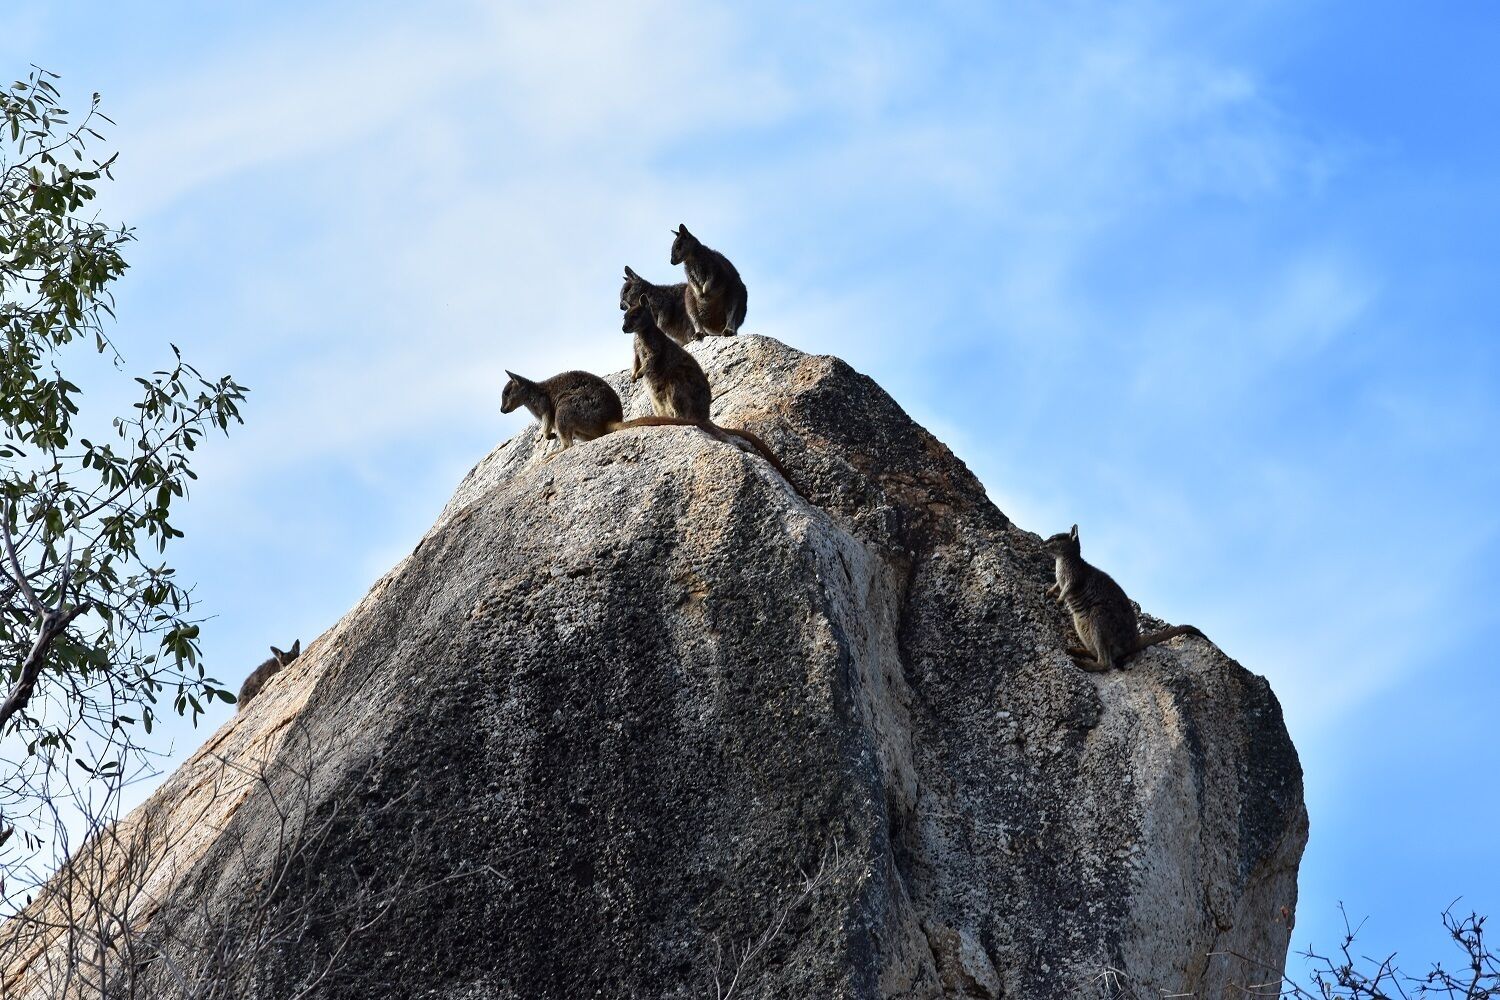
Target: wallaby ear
{"type": "Point", "coordinates": [278, 653]}
{"type": "Point", "coordinates": [629, 273]}
{"type": "Point", "coordinates": [296, 649]}
{"type": "Point", "coordinates": [1074, 533]}
{"type": "Point", "coordinates": [514, 378]}
{"type": "Point", "coordinates": [640, 300]}
{"type": "Point", "coordinates": [682, 229]}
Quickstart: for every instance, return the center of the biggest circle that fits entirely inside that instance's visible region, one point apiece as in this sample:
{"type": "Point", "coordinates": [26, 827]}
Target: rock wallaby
{"type": "Point", "coordinates": [716, 298]}
{"type": "Point", "coordinates": [258, 677]}
{"type": "Point", "coordinates": [668, 305]}
{"type": "Point", "coordinates": [677, 386]}
{"type": "Point", "coordinates": [1102, 615]}
{"type": "Point", "coordinates": [573, 406]}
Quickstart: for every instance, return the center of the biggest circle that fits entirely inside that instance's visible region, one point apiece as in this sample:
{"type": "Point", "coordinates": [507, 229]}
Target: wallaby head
{"type": "Point", "coordinates": [638, 317]}
{"type": "Point", "coordinates": [631, 290]}
{"type": "Point", "coordinates": [517, 391]}
{"type": "Point", "coordinates": [1064, 543]}
{"type": "Point", "coordinates": [684, 244]}
{"type": "Point", "coordinates": [285, 656]}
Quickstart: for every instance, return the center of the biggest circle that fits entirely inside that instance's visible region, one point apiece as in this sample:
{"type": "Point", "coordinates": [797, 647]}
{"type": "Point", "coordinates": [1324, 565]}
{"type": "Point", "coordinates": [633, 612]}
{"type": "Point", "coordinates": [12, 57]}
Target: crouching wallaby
{"type": "Point", "coordinates": [716, 298]}
{"type": "Point", "coordinates": [677, 386]}
{"type": "Point", "coordinates": [258, 677]}
{"type": "Point", "coordinates": [573, 406]}
{"type": "Point", "coordinates": [1102, 615]}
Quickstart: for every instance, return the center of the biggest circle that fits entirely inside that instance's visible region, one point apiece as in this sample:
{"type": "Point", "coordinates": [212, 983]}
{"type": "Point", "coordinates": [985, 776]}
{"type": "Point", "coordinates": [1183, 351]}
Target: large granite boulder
{"type": "Point", "coordinates": [640, 721]}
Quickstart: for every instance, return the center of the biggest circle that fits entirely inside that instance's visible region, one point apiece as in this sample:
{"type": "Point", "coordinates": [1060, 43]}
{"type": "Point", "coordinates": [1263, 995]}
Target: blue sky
{"type": "Point", "coordinates": [1216, 283]}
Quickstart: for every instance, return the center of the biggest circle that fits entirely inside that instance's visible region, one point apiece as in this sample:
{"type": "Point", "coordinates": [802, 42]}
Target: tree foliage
{"type": "Point", "coordinates": [96, 630]}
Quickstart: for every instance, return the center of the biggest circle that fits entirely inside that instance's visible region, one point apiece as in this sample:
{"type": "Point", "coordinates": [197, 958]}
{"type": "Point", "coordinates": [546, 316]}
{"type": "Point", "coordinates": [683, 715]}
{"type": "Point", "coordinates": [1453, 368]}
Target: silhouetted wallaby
{"type": "Point", "coordinates": [264, 672]}
{"type": "Point", "coordinates": [677, 386]}
{"type": "Point", "coordinates": [716, 298]}
{"type": "Point", "coordinates": [1102, 615]}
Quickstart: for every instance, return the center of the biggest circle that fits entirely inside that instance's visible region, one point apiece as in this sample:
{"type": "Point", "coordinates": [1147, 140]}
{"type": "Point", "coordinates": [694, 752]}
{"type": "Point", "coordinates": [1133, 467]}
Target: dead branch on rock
{"type": "Point", "coordinates": [732, 963]}
{"type": "Point", "coordinates": [129, 914]}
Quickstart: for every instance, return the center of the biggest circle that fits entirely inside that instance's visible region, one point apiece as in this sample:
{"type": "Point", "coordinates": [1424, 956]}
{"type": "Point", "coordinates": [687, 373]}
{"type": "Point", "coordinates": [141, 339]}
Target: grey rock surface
{"type": "Point", "coordinates": [637, 712]}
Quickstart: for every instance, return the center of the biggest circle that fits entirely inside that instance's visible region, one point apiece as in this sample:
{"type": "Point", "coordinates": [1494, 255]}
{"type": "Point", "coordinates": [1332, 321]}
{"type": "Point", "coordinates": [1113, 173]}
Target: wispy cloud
{"type": "Point", "coordinates": [449, 196]}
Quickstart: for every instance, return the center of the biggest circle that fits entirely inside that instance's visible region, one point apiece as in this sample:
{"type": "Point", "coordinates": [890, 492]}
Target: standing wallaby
{"type": "Point", "coordinates": [574, 406]}
{"type": "Point", "coordinates": [716, 298]}
{"type": "Point", "coordinates": [1102, 615]}
{"type": "Point", "coordinates": [677, 386]}
{"type": "Point", "coordinates": [264, 672]}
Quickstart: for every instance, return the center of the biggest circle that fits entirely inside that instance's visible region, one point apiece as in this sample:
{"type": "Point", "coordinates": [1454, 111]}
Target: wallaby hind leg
{"type": "Point", "coordinates": [1090, 664]}
{"type": "Point", "coordinates": [1102, 654]}
{"type": "Point", "coordinates": [737, 320]}
{"type": "Point", "coordinates": [564, 442]}
{"type": "Point", "coordinates": [692, 315]}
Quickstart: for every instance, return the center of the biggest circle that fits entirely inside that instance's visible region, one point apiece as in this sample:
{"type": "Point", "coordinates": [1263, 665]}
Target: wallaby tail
{"type": "Point", "coordinates": [765, 453]}
{"type": "Point", "coordinates": [709, 427]}
{"type": "Point", "coordinates": [1165, 634]}
{"type": "Point", "coordinates": [655, 422]}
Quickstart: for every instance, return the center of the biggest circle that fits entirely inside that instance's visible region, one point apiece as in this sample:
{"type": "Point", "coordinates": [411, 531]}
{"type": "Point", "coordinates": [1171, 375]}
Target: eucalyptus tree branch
{"type": "Point", "coordinates": [51, 623]}
{"type": "Point", "coordinates": [18, 575]}
{"type": "Point", "coordinates": [73, 687]}
{"type": "Point", "coordinates": [169, 437]}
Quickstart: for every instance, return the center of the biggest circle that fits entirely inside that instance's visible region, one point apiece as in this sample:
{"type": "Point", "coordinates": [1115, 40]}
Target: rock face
{"type": "Point", "coordinates": [640, 714]}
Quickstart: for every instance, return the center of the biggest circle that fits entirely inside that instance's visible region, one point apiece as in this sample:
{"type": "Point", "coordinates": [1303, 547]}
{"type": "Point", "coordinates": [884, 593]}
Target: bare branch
{"type": "Point", "coordinates": [832, 864]}
{"type": "Point", "coordinates": [18, 576]}
{"type": "Point", "coordinates": [52, 625]}
{"type": "Point", "coordinates": [118, 920]}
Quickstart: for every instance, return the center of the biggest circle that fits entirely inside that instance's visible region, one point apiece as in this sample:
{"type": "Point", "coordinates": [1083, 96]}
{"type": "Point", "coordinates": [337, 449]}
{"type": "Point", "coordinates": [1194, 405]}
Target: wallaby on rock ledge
{"type": "Point", "coordinates": [258, 677]}
{"type": "Point", "coordinates": [716, 297]}
{"type": "Point", "coordinates": [677, 386]}
{"type": "Point", "coordinates": [573, 406]}
{"type": "Point", "coordinates": [1102, 615]}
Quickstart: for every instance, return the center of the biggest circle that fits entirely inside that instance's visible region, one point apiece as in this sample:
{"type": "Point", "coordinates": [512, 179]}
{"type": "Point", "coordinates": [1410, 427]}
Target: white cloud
{"type": "Point", "coordinates": [285, 97]}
